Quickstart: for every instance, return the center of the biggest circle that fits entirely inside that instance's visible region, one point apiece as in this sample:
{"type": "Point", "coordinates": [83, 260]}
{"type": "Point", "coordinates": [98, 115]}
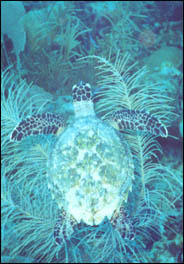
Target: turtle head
{"type": "Point", "coordinates": [81, 92]}
{"type": "Point", "coordinates": [82, 99]}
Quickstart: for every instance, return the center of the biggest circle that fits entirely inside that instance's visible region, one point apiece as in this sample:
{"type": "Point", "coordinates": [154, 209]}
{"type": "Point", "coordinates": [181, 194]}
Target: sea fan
{"type": "Point", "coordinates": [13, 26]}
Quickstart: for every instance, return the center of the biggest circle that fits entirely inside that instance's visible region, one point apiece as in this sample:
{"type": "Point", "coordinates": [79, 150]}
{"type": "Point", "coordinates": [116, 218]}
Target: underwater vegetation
{"type": "Point", "coordinates": [52, 43]}
{"type": "Point", "coordinates": [29, 214]}
{"type": "Point", "coordinates": [69, 41]}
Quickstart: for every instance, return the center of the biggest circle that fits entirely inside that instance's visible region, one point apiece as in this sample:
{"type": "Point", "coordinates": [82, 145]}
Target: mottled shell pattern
{"type": "Point", "coordinates": [90, 168]}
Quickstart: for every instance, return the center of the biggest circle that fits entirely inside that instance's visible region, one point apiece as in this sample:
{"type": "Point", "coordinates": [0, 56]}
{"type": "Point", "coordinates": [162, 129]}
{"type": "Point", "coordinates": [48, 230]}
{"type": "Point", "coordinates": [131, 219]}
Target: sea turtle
{"type": "Point", "coordinates": [90, 168]}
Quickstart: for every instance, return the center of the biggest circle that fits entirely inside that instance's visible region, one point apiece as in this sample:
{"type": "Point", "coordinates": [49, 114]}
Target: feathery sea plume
{"type": "Point", "coordinates": [29, 214]}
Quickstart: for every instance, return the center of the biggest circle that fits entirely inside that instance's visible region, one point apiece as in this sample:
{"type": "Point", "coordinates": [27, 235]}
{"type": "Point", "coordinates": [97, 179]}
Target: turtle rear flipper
{"type": "Point", "coordinates": [64, 228]}
{"type": "Point", "coordinates": [123, 224]}
{"type": "Point", "coordinates": [41, 124]}
{"type": "Point", "coordinates": [138, 120]}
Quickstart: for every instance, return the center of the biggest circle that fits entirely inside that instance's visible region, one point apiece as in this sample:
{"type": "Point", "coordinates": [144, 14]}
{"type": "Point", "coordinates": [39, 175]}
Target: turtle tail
{"type": "Point", "coordinates": [41, 124]}
{"type": "Point", "coordinates": [138, 120]}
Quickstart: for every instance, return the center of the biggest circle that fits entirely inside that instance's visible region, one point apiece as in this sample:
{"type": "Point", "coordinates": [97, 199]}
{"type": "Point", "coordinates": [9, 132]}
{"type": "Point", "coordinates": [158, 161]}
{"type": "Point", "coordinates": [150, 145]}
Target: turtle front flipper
{"type": "Point", "coordinates": [138, 120]}
{"type": "Point", "coordinates": [41, 124]}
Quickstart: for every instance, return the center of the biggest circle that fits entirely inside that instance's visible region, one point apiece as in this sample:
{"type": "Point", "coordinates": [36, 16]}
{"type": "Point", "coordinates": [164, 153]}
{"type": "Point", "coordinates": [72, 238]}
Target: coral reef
{"type": "Point", "coordinates": [166, 55]}
{"type": "Point", "coordinates": [28, 209]}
